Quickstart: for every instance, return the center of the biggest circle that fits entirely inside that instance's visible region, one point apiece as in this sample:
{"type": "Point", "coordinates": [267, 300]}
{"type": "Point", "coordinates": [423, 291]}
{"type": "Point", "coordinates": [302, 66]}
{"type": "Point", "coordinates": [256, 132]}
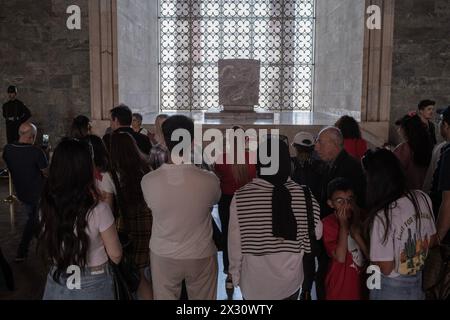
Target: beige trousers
{"type": "Point", "coordinates": [200, 276]}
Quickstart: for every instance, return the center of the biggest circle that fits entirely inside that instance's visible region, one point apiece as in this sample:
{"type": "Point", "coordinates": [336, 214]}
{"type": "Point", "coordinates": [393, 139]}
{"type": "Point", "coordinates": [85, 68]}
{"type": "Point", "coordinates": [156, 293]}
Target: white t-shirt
{"type": "Point", "coordinates": [99, 220]}
{"type": "Point", "coordinates": [407, 244]}
{"type": "Point", "coordinates": [181, 198]}
{"type": "Point", "coordinates": [106, 184]}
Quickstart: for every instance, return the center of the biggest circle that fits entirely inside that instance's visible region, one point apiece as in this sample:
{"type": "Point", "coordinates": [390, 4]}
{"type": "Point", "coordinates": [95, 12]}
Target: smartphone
{"type": "Point", "coordinates": [45, 140]}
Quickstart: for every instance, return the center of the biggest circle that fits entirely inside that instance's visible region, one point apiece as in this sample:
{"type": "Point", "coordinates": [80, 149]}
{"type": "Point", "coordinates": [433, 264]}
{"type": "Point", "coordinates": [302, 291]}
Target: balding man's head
{"type": "Point", "coordinates": [329, 143]}
{"type": "Point", "coordinates": [27, 133]}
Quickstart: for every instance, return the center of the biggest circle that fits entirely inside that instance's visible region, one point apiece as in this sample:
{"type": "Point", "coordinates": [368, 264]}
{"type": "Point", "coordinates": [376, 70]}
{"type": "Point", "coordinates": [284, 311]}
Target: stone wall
{"type": "Point", "coordinates": [421, 62]}
{"type": "Point", "coordinates": [339, 56]}
{"type": "Point", "coordinates": [137, 28]}
{"type": "Point", "coordinates": [48, 62]}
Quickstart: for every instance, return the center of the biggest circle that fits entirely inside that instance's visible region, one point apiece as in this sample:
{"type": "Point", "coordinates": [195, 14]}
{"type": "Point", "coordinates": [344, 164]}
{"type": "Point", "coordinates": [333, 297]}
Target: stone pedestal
{"type": "Point", "coordinates": [239, 112]}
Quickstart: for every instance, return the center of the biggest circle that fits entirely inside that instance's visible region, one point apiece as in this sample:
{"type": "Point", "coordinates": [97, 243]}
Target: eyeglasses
{"type": "Point", "coordinates": [343, 201]}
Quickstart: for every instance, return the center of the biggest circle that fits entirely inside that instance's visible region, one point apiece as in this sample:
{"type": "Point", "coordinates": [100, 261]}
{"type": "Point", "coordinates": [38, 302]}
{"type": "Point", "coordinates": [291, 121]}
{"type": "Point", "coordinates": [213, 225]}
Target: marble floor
{"type": "Point", "coordinates": [221, 291]}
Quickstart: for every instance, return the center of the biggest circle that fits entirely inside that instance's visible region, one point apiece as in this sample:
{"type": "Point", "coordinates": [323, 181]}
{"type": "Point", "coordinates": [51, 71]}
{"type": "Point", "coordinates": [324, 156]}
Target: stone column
{"type": "Point", "coordinates": [377, 72]}
{"type": "Point", "coordinates": [103, 53]}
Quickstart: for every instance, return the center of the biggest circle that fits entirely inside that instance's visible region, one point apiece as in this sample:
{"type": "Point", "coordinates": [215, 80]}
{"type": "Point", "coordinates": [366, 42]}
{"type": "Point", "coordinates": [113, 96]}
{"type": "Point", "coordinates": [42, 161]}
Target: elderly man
{"type": "Point", "coordinates": [27, 165]}
{"type": "Point", "coordinates": [330, 148]}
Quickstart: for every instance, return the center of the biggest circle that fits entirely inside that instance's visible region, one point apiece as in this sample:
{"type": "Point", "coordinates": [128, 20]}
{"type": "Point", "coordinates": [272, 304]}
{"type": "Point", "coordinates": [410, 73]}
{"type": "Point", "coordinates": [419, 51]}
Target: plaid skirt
{"type": "Point", "coordinates": [138, 225]}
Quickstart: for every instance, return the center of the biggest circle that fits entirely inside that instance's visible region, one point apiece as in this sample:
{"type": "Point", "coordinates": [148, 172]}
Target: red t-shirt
{"type": "Point", "coordinates": [343, 280]}
{"type": "Point", "coordinates": [227, 183]}
{"type": "Point", "coordinates": [355, 147]}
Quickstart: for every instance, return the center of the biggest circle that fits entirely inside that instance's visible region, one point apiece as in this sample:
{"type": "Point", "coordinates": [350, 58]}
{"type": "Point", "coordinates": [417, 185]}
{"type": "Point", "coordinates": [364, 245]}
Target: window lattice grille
{"type": "Point", "coordinates": [195, 34]}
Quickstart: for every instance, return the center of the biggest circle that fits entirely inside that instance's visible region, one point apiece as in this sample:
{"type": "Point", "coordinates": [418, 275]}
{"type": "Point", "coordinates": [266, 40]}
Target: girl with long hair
{"type": "Point", "coordinates": [77, 230]}
{"type": "Point", "coordinates": [129, 166]}
{"type": "Point", "coordinates": [416, 152]}
{"type": "Point", "coordinates": [401, 227]}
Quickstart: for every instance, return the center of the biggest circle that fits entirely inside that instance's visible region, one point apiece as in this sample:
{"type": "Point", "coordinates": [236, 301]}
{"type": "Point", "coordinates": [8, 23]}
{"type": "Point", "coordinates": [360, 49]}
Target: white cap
{"type": "Point", "coordinates": [304, 139]}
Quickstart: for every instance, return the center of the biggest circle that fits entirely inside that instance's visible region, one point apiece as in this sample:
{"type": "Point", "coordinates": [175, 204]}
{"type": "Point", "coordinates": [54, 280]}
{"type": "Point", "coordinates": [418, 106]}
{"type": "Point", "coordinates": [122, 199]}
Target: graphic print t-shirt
{"type": "Point", "coordinates": [408, 239]}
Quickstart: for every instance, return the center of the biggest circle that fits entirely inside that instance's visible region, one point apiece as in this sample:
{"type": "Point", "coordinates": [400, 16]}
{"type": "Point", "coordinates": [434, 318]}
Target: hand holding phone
{"type": "Point", "coordinates": [45, 141]}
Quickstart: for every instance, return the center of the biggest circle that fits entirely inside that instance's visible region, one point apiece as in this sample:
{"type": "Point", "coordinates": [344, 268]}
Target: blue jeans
{"type": "Point", "coordinates": [399, 288]}
{"type": "Point", "coordinates": [98, 286]}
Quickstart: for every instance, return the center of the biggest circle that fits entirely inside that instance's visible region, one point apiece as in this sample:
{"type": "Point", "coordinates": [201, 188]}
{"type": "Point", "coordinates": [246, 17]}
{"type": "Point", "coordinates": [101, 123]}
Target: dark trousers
{"type": "Point", "coordinates": [309, 271]}
{"type": "Point", "coordinates": [323, 261]}
{"type": "Point", "coordinates": [224, 214]}
{"type": "Point", "coordinates": [12, 131]}
{"type": "Point", "coordinates": [30, 229]}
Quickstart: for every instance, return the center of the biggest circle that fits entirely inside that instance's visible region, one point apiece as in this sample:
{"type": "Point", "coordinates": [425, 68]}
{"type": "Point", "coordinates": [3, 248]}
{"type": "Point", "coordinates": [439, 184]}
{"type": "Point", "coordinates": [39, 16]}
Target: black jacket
{"type": "Point", "coordinates": [143, 142]}
{"type": "Point", "coordinates": [309, 174]}
{"type": "Point", "coordinates": [432, 133]}
{"type": "Point", "coordinates": [345, 166]}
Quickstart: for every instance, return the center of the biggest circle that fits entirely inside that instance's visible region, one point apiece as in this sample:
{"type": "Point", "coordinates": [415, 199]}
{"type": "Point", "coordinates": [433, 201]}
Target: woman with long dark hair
{"type": "Point", "coordinates": [354, 144]}
{"type": "Point", "coordinates": [77, 230]}
{"type": "Point", "coordinates": [401, 227]}
{"type": "Point", "coordinates": [416, 152]}
{"type": "Point", "coordinates": [129, 166]}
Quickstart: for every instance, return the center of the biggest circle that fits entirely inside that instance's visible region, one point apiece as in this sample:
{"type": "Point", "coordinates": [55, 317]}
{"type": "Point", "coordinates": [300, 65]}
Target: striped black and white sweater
{"type": "Point", "coordinates": [266, 267]}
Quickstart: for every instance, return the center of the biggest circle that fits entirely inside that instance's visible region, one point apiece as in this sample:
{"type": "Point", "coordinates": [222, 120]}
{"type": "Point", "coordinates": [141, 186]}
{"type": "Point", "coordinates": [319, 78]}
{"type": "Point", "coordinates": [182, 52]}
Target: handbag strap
{"type": "Point", "coordinates": [310, 215]}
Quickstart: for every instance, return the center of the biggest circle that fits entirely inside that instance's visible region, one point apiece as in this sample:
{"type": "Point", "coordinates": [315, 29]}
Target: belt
{"type": "Point", "coordinates": [104, 268]}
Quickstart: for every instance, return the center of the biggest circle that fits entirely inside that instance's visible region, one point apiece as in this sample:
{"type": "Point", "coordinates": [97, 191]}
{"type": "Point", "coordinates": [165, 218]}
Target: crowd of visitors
{"type": "Point", "coordinates": [333, 208]}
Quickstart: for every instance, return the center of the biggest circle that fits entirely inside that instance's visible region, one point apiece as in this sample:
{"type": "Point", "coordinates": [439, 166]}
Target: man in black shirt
{"type": "Point", "coordinates": [438, 154]}
{"type": "Point", "coordinates": [443, 224]}
{"type": "Point", "coordinates": [330, 148]}
{"type": "Point", "coordinates": [426, 112]}
{"type": "Point", "coordinates": [15, 113]}
{"type": "Point", "coordinates": [27, 165]}
{"type": "Point", "coordinates": [121, 118]}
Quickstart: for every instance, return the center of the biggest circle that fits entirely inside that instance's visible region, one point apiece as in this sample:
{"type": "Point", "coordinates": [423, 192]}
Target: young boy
{"type": "Point", "coordinates": [343, 243]}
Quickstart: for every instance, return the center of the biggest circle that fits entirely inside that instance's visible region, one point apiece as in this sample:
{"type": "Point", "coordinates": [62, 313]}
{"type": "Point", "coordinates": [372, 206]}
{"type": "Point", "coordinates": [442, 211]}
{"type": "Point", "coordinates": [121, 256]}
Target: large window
{"type": "Point", "coordinates": [195, 34]}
